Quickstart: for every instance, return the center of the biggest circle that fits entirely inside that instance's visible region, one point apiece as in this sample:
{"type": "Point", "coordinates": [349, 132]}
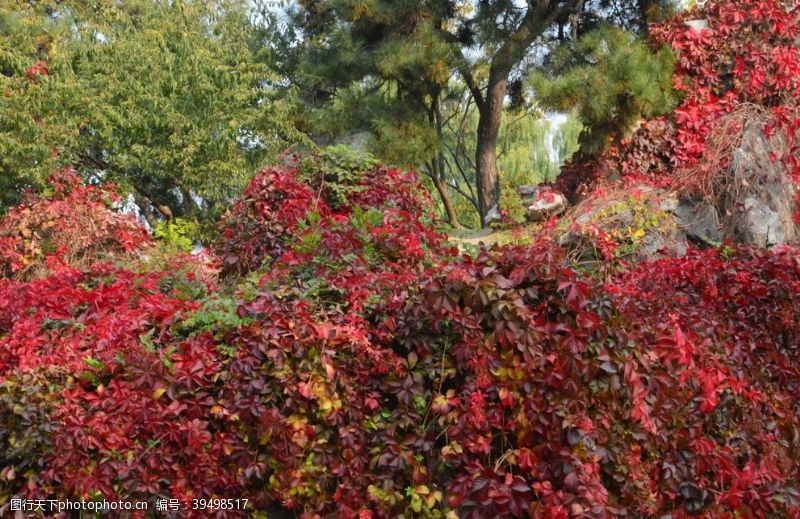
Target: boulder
{"type": "Point", "coordinates": [655, 244]}
{"type": "Point", "coordinates": [528, 191]}
{"type": "Point", "coordinates": [493, 215]}
{"type": "Point", "coordinates": [699, 221]}
{"type": "Point", "coordinates": [760, 224]}
{"type": "Point", "coordinates": [542, 203]}
{"type": "Point", "coordinates": [762, 204]}
{"type": "Point", "coordinates": [752, 202]}
{"type": "Point", "coordinates": [642, 223]}
{"type": "Point", "coordinates": [698, 25]}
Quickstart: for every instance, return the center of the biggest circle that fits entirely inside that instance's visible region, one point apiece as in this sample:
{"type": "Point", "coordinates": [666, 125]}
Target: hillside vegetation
{"type": "Point", "coordinates": [332, 354]}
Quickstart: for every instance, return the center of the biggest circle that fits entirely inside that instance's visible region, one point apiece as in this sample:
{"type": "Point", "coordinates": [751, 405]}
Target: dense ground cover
{"type": "Point", "coordinates": [359, 366]}
{"type": "Point", "coordinates": [332, 355]}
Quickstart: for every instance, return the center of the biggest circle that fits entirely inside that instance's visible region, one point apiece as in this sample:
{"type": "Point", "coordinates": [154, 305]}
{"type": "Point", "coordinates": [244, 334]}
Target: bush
{"type": "Point", "coordinates": [178, 233]}
{"type": "Point", "coordinates": [76, 225]}
{"type": "Point", "coordinates": [371, 371]}
{"type": "Point", "coordinates": [748, 56]}
{"type": "Point", "coordinates": [278, 207]}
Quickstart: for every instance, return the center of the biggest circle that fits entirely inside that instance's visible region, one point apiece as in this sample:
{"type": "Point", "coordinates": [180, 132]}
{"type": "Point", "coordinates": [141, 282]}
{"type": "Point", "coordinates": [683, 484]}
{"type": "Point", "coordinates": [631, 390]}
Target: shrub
{"type": "Point", "coordinates": [372, 372]}
{"type": "Point", "coordinates": [748, 55]}
{"type": "Point", "coordinates": [277, 207]}
{"type": "Point", "coordinates": [76, 225]}
{"type": "Point", "coordinates": [178, 232]}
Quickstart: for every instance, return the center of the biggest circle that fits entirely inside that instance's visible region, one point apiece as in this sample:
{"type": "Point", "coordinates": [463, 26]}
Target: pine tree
{"type": "Point", "coordinates": [418, 46]}
{"type": "Point", "coordinates": [613, 80]}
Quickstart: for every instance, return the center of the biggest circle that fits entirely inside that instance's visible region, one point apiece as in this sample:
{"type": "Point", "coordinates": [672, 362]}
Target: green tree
{"type": "Point", "coordinates": [394, 88]}
{"type": "Point", "coordinates": [417, 46]}
{"type": "Point", "coordinates": [531, 149]}
{"type": "Point", "coordinates": [171, 100]}
{"type": "Point", "coordinates": [612, 80]}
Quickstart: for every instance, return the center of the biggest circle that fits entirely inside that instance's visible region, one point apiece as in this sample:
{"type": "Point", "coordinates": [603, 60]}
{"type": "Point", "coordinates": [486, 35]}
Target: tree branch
{"type": "Point", "coordinates": [463, 68]}
{"type": "Point", "coordinates": [539, 17]}
{"type": "Point", "coordinates": [469, 79]}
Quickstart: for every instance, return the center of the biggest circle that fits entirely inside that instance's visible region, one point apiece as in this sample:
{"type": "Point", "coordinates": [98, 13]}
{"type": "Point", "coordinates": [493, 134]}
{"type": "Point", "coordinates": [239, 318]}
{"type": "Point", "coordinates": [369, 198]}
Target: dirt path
{"type": "Point", "coordinates": [469, 238]}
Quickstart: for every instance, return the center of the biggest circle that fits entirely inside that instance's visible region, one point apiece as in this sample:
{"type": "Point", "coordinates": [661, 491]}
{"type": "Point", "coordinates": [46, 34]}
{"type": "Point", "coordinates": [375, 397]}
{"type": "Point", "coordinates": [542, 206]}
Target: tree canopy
{"type": "Point", "coordinates": [170, 100]}
{"type": "Point", "coordinates": [419, 48]}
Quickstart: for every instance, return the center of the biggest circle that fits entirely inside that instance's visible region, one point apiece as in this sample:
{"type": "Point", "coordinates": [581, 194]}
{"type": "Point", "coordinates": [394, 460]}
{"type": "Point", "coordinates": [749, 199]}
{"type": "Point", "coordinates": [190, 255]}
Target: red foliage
{"type": "Point", "coordinates": [507, 385]}
{"type": "Point", "coordinates": [371, 372]}
{"type": "Point", "coordinates": [153, 429]}
{"type": "Point", "coordinates": [265, 217]}
{"type": "Point", "coordinates": [40, 68]}
{"type": "Point", "coordinates": [46, 322]}
{"type": "Point", "coordinates": [135, 387]}
{"type": "Point", "coordinates": [721, 374]}
{"type": "Point", "coordinates": [276, 204]}
{"type": "Point", "coordinates": [94, 339]}
{"type": "Point", "coordinates": [75, 224]}
{"type": "Point", "coordinates": [748, 55]}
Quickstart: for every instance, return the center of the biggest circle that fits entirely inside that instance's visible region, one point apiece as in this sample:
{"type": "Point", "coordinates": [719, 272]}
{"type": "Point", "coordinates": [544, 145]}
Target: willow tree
{"type": "Point", "coordinates": [489, 44]}
{"type": "Point", "coordinates": [167, 98]}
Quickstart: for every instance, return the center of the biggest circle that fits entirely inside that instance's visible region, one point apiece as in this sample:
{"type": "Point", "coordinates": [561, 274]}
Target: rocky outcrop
{"type": "Point", "coordinates": [760, 203]}
{"type": "Point", "coordinates": [643, 225]}
{"type": "Point", "coordinates": [748, 199]}
{"type": "Point", "coordinates": [696, 219]}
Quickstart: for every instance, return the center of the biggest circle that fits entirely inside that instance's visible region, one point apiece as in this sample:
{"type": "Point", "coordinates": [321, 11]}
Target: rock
{"type": "Point", "coordinates": [762, 211]}
{"type": "Point", "coordinates": [546, 204]}
{"type": "Point", "coordinates": [669, 204]}
{"type": "Point", "coordinates": [644, 225]}
{"type": "Point", "coordinates": [761, 225]}
{"type": "Point", "coordinates": [697, 25]}
{"type": "Point", "coordinates": [753, 203]}
{"type": "Point", "coordinates": [528, 191]}
{"type": "Point", "coordinates": [655, 244]}
{"type": "Point", "coordinates": [493, 215]}
{"type": "Point", "coordinates": [699, 220]}
{"type": "Point", "coordinates": [579, 246]}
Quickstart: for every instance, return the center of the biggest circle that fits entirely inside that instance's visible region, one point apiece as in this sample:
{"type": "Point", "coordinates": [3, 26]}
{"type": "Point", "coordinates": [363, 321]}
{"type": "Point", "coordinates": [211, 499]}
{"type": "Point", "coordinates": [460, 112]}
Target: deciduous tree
{"type": "Point", "coordinates": [168, 99]}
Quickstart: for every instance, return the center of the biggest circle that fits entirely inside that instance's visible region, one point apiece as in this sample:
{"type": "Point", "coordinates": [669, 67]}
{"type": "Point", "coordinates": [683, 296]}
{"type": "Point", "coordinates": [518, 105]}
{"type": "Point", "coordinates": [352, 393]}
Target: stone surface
{"type": "Point", "coordinates": [699, 221]}
{"type": "Point", "coordinates": [655, 244]}
{"type": "Point", "coordinates": [613, 216]}
{"type": "Point", "coordinates": [762, 213]}
{"type": "Point", "coordinates": [493, 215]}
{"type": "Point", "coordinates": [547, 204]}
{"type": "Point", "coordinates": [761, 224]}
{"type": "Point", "coordinates": [697, 25]}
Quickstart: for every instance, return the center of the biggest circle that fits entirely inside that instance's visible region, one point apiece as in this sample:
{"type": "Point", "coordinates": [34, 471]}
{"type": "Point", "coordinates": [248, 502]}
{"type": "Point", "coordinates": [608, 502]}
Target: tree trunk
{"type": "Point", "coordinates": [490, 115]}
{"type": "Point", "coordinates": [541, 14]}
{"type": "Point", "coordinates": [450, 211]}
{"type": "Point", "coordinates": [436, 167]}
